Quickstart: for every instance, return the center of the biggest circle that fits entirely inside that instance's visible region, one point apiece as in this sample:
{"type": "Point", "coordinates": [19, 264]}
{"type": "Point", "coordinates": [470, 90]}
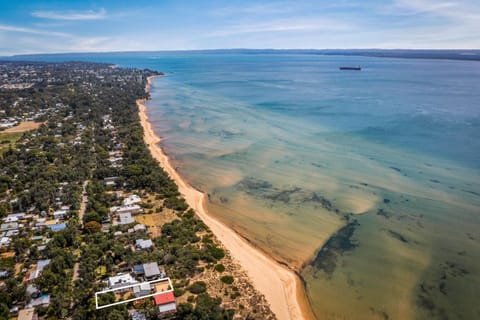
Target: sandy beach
{"type": "Point", "coordinates": [281, 286]}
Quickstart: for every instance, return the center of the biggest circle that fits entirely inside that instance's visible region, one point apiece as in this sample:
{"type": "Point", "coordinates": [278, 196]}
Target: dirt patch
{"type": "Point", "coordinates": [24, 126]}
{"type": "Point", "coordinates": [155, 221]}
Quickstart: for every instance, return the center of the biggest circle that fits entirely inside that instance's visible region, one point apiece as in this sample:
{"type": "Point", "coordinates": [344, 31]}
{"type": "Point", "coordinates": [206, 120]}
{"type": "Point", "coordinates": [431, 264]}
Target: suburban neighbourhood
{"type": "Point", "coordinates": [91, 227]}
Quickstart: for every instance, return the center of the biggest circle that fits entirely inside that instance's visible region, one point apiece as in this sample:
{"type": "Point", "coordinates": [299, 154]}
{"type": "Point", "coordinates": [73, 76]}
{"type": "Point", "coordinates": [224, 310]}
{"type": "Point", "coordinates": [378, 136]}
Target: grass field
{"type": "Point", "coordinates": [10, 136]}
{"type": "Point", "coordinates": [8, 139]}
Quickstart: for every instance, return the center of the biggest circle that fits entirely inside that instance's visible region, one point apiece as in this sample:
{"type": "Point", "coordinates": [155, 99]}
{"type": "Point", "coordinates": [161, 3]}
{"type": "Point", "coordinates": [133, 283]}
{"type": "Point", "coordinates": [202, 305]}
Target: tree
{"type": "Point", "coordinates": [93, 227]}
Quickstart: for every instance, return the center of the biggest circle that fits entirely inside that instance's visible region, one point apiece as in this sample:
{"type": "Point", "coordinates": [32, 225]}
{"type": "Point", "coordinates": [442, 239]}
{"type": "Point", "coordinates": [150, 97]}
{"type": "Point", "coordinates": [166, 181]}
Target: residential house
{"type": "Point", "coordinates": [120, 280]}
{"type": "Point", "coordinates": [135, 315]}
{"type": "Point", "coordinates": [59, 214]}
{"type": "Point", "coordinates": [138, 270]}
{"type": "Point", "coordinates": [11, 233]}
{"type": "Point", "coordinates": [132, 199]}
{"type": "Point", "coordinates": [124, 218]}
{"type": "Point", "coordinates": [139, 227]}
{"type": "Point", "coordinates": [5, 241]}
{"type": "Point", "coordinates": [143, 244]}
{"type": "Point", "coordinates": [165, 302]}
{"type": "Point", "coordinates": [142, 289]}
{"type": "Point", "coordinates": [9, 226]}
{"type": "Point", "coordinates": [41, 264]}
{"type": "Point", "coordinates": [151, 271]}
{"type": "Point", "coordinates": [132, 209]}
{"type": "Point", "coordinates": [43, 300]}
{"type": "Point", "coordinates": [57, 226]}
{"type": "Point", "coordinates": [110, 181]}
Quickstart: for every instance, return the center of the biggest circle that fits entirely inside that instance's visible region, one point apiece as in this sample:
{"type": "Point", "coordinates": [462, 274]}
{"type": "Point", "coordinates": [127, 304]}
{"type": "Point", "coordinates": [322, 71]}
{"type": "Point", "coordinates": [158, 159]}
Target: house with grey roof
{"type": "Point", "coordinates": [151, 270]}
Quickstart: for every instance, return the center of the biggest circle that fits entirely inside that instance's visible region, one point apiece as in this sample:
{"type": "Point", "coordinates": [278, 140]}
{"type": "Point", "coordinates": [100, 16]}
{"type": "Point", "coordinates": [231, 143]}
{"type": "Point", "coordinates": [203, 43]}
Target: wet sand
{"type": "Point", "coordinates": [280, 285]}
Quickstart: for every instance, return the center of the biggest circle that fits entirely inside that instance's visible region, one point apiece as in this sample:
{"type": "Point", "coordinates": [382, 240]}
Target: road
{"type": "Point", "coordinates": [83, 203]}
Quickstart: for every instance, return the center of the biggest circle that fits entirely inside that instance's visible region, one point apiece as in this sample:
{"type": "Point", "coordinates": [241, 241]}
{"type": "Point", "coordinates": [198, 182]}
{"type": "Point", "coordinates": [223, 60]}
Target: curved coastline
{"type": "Point", "coordinates": [280, 285]}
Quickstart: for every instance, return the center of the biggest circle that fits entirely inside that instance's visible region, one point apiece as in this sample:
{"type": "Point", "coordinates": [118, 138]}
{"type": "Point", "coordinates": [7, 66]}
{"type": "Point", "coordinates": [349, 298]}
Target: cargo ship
{"type": "Point", "coordinates": [351, 68]}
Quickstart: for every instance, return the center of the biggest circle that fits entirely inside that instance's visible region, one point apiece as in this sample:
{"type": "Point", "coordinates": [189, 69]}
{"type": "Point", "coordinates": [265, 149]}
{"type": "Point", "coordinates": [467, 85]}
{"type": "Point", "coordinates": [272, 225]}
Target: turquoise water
{"type": "Point", "coordinates": [367, 183]}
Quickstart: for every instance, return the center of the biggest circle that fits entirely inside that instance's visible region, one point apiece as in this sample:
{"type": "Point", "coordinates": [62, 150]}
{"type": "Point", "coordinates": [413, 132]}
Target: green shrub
{"type": "Point", "coordinates": [198, 287]}
{"type": "Point", "coordinates": [227, 279]}
{"type": "Point", "coordinates": [234, 295]}
{"type": "Point", "coordinates": [220, 268]}
{"type": "Point", "coordinates": [178, 292]}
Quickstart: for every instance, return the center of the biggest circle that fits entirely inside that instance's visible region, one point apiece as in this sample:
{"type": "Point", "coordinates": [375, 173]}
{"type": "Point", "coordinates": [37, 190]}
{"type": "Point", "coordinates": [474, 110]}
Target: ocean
{"type": "Point", "coordinates": [367, 183]}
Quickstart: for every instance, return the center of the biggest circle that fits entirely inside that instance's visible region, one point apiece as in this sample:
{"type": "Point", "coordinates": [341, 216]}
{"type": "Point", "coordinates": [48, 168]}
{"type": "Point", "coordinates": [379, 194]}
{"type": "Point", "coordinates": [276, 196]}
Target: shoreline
{"type": "Point", "coordinates": [280, 285]}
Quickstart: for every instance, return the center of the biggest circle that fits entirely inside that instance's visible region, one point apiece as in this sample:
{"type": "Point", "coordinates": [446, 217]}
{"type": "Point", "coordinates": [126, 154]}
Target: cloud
{"type": "Point", "coordinates": [257, 9]}
{"type": "Point", "coordinates": [10, 28]}
{"type": "Point", "coordinates": [282, 25]}
{"type": "Point", "coordinates": [462, 11]}
{"type": "Point", "coordinates": [71, 15]}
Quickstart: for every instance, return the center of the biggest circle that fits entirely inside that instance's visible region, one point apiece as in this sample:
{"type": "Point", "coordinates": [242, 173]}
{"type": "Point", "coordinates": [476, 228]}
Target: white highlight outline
{"type": "Point", "coordinates": [131, 286]}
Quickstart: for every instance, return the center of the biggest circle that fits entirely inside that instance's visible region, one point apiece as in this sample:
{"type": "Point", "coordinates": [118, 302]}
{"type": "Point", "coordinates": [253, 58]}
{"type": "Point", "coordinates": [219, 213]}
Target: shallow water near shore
{"type": "Point", "coordinates": [367, 183]}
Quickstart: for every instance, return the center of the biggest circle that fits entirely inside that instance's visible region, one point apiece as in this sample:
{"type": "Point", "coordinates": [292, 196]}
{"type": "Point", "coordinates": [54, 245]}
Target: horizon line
{"type": "Point", "coordinates": [236, 49]}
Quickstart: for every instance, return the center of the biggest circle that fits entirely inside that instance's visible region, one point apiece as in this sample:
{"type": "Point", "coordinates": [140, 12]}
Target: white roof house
{"type": "Point", "coordinates": [9, 226]}
{"type": "Point", "coordinates": [125, 218]}
{"type": "Point", "coordinates": [4, 241]}
{"type": "Point", "coordinates": [120, 280]}
{"type": "Point", "coordinates": [139, 227]}
{"type": "Point", "coordinates": [59, 214]}
{"type": "Point", "coordinates": [143, 244]}
{"type": "Point", "coordinates": [10, 219]}
{"type": "Point", "coordinates": [19, 215]}
{"type": "Point", "coordinates": [132, 199]}
{"type": "Point", "coordinates": [132, 208]}
{"type": "Point", "coordinates": [41, 264]}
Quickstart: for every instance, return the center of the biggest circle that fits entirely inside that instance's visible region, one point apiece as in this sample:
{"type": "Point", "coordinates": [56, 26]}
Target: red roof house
{"type": "Point", "coordinates": [165, 302]}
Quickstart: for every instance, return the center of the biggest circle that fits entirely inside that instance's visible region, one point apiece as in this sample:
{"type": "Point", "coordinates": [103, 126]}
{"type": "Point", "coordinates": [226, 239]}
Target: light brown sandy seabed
{"type": "Point", "coordinates": [281, 286]}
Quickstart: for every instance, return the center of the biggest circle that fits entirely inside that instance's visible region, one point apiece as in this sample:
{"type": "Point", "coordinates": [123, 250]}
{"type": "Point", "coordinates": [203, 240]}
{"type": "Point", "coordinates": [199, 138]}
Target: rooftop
{"type": "Point", "coordinates": [164, 298]}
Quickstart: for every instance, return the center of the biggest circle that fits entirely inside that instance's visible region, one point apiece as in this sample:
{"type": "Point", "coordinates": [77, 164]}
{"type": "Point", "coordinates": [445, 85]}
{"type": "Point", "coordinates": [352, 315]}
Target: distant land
{"type": "Point", "coordinates": [454, 54]}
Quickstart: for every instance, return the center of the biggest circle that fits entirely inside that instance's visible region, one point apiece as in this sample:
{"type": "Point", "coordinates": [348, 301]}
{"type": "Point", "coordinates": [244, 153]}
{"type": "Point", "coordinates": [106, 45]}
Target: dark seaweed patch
{"type": "Point", "coordinates": [471, 192]}
{"type": "Point", "coordinates": [323, 201]}
{"type": "Point", "coordinates": [223, 199]}
{"type": "Point", "coordinates": [454, 269]}
{"type": "Point", "coordinates": [425, 301]}
{"type": "Point", "coordinates": [318, 165]}
{"type": "Point", "coordinates": [282, 196]}
{"type": "Point", "coordinates": [397, 236]}
{"type": "Point", "coordinates": [252, 184]}
{"type": "Point", "coordinates": [337, 245]}
{"type": "Point", "coordinates": [264, 189]}
{"type": "Point", "coordinates": [380, 313]}
{"type": "Point", "coordinates": [442, 288]}
{"type": "Point", "coordinates": [225, 134]}
{"type": "Point", "coordinates": [384, 213]}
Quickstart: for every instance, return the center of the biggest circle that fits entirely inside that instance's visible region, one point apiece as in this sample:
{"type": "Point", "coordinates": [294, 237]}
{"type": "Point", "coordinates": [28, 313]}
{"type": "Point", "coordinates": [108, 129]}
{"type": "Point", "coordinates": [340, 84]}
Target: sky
{"type": "Point", "coordinates": [50, 26]}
